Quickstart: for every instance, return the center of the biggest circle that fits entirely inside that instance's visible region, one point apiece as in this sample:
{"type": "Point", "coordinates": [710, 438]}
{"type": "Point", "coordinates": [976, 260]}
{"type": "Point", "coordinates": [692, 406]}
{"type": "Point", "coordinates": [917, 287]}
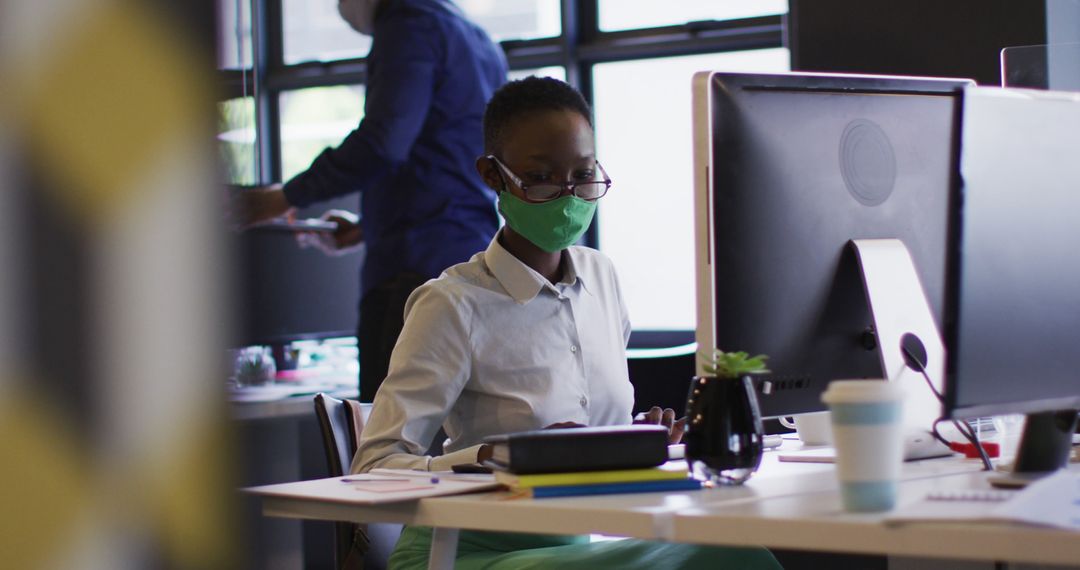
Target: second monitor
{"type": "Point", "coordinates": [789, 169]}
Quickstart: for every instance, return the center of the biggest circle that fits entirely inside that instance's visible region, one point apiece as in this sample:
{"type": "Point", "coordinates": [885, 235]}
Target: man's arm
{"type": "Point", "coordinates": [250, 207]}
{"type": "Point", "coordinates": [399, 95]}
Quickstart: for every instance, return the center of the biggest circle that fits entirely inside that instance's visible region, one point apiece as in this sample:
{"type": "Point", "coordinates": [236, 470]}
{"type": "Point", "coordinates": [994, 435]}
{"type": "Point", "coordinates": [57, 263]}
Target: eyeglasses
{"type": "Point", "coordinates": [545, 191]}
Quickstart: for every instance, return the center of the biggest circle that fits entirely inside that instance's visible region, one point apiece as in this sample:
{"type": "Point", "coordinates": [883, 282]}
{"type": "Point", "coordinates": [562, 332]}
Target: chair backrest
{"type": "Point", "coordinates": [355, 547]}
{"type": "Point", "coordinates": [337, 423]}
{"type": "Point", "coordinates": [661, 377]}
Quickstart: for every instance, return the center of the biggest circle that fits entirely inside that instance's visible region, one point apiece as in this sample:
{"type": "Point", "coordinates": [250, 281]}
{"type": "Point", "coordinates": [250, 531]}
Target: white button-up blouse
{"type": "Point", "coordinates": [492, 347]}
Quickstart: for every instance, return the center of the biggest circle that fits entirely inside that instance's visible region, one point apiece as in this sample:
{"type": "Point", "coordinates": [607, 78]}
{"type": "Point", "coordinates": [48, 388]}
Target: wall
{"type": "Point", "coordinates": [953, 38]}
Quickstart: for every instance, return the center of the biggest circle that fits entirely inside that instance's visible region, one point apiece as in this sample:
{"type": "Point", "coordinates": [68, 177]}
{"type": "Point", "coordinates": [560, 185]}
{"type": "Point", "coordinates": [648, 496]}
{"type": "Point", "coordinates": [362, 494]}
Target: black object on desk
{"type": "Point", "coordinates": [724, 434]}
{"type": "Point", "coordinates": [470, 468]}
{"type": "Point", "coordinates": [580, 449]}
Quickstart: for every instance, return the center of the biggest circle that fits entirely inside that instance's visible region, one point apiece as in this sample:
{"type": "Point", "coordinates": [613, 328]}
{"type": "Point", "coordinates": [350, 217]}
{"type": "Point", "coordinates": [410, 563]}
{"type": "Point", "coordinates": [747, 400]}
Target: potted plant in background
{"type": "Point", "coordinates": [723, 429]}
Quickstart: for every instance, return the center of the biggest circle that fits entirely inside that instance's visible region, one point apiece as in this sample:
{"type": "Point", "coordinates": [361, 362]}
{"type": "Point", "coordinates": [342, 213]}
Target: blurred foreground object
{"type": "Point", "coordinates": [110, 314]}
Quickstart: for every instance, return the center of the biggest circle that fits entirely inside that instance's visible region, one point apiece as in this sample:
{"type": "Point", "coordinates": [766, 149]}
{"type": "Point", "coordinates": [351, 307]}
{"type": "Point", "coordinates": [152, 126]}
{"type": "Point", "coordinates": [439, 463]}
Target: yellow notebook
{"type": "Point", "coordinates": [662, 473]}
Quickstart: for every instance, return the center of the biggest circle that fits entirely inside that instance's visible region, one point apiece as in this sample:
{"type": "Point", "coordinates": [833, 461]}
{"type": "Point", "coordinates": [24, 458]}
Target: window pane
{"type": "Point", "coordinates": [643, 139]}
{"type": "Point", "coordinates": [556, 71]}
{"type": "Point", "coordinates": [236, 140]}
{"type": "Point", "coordinates": [233, 38]}
{"type": "Point", "coordinates": [515, 19]}
{"type": "Point", "coordinates": [629, 14]}
{"type": "Point", "coordinates": [316, 118]}
{"type": "Point", "coordinates": [314, 31]}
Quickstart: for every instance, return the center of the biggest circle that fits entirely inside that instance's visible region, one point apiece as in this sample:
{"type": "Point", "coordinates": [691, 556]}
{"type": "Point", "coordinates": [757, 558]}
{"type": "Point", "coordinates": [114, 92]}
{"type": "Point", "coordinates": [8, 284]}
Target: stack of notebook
{"type": "Point", "coordinates": [587, 461]}
{"type": "Point", "coordinates": [648, 480]}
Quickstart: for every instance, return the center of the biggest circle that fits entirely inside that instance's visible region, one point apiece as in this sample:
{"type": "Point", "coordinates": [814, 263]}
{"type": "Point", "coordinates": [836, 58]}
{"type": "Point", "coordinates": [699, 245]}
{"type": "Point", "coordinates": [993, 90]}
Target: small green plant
{"type": "Point", "coordinates": [733, 364]}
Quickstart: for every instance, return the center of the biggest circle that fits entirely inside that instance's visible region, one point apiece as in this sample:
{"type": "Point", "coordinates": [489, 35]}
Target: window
{"type": "Point", "coordinates": [233, 34]}
{"type": "Point", "coordinates": [556, 71]}
{"type": "Point", "coordinates": [646, 221]}
{"type": "Point", "coordinates": [629, 14]}
{"type": "Point", "coordinates": [314, 31]}
{"type": "Point", "coordinates": [515, 19]}
{"type": "Point", "coordinates": [313, 90]}
{"type": "Point", "coordinates": [316, 118]}
{"type": "Point", "coordinates": [236, 140]}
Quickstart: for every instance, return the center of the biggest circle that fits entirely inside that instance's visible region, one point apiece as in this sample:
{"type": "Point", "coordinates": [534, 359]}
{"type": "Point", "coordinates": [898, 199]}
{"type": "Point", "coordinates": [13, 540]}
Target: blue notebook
{"type": "Point", "coordinates": [613, 488]}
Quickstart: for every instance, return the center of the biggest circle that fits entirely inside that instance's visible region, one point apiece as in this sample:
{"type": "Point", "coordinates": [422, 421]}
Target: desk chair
{"type": "Point", "coordinates": [357, 547]}
{"type": "Point", "coordinates": [661, 376]}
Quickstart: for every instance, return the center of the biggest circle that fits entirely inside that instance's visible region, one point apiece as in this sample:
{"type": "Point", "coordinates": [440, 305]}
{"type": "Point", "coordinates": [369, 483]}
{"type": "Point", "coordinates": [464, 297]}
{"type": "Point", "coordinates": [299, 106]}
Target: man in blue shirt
{"type": "Point", "coordinates": [430, 74]}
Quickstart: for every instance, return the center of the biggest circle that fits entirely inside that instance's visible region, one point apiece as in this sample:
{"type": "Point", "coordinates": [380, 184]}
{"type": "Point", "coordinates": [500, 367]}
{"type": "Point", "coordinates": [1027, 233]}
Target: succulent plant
{"type": "Point", "coordinates": [733, 364]}
{"type": "Point", "coordinates": [254, 366]}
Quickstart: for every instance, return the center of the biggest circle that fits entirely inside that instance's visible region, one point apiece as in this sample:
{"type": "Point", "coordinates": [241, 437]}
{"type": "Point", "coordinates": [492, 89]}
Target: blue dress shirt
{"type": "Point", "coordinates": [424, 207]}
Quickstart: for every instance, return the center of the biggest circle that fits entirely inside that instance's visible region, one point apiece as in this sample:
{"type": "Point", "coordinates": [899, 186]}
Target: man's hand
{"type": "Point", "coordinates": [253, 206]}
{"type": "Point", "coordinates": [666, 418]}
{"type": "Point", "coordinates": [347, 238]}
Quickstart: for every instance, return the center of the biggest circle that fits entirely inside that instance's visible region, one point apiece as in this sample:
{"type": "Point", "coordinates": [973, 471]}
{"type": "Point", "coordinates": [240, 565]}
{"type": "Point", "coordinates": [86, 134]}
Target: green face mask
{"type": "Point", "coordinates": [553, 225]}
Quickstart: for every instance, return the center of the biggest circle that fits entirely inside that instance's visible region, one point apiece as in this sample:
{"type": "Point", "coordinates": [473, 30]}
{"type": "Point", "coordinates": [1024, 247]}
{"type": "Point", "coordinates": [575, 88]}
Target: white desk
{"type": "Point", "coordinates": [644, 515]}
{"type": "Point", "coordinates": [279, 441]}
{"type": "Point", "coordinates": [635, 515]}
{"type": "Point", "coordinates": [291, 406]}
{"type": "Point", "coordinates": [785, 505]}
{"type": "Point", "coordinates": [816, 521]}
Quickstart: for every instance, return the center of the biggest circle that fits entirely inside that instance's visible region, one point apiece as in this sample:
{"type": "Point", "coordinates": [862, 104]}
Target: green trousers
{"type": "Point", "coordinates": [512, 551]}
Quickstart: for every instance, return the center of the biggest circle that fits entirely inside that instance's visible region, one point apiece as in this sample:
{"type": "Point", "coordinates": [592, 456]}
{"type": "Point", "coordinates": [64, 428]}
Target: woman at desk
{"type": "Point", "coordinates": [529, 333]}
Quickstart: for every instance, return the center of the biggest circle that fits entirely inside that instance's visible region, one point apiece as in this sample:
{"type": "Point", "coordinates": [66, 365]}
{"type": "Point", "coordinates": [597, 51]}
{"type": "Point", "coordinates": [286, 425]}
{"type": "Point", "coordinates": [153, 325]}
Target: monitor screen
{"type": "Point", "coordinates": [285, 292]}
{"type": "Point", "coordinates": [790, 168]}
{"type": "Point", "coordinates": [1014, 295]}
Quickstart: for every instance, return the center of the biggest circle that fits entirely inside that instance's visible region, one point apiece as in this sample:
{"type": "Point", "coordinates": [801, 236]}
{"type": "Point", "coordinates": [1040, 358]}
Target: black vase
{"type": "Point", "coordinates": [723, 430]}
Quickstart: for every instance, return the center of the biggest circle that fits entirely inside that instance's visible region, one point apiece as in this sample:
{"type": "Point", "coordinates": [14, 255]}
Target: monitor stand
{"type": "Point", "coordinates": [1044, 448]}
{"type": "Point", "coordinates": [901, 311]}
{"type": "Point", "coordinates": [1046, 443]}
{"type": "Point", "coordinates": [902, 316]}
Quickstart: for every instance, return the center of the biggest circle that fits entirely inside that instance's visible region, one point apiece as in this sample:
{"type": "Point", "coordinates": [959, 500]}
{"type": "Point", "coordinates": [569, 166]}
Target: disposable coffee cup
{"type": "Point", "coordinates": [867, 420]}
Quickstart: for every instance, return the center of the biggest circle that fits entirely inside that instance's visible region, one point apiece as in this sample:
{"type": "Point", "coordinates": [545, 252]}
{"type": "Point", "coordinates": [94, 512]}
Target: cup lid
{"type": "Point", "coordinates": [861, 391]}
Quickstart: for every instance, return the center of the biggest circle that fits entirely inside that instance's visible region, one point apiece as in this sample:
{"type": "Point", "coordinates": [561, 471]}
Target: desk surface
{"type": "Point", "coordinates": [816, 521]}
{"type": "Point", "coordinates": [785, 505]}
{"type": "Point", "coordinates": [297, 405]}
{"type": "Point", "coordinates": [642, 515]}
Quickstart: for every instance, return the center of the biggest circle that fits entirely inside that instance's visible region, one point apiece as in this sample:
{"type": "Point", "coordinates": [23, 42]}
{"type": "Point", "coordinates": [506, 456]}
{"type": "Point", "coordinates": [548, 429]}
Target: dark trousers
{"type": "Point", "coordinates": [381, 318]}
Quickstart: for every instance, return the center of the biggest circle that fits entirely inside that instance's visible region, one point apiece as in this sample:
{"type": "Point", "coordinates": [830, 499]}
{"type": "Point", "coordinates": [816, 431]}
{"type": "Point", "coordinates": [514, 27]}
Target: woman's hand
{"type": "Point", "coordinates": [666, 418]}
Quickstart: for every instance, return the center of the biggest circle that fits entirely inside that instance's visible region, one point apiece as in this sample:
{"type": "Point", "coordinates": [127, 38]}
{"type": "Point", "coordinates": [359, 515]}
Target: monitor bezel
{"type": "Point", "coordinates": [953, 287]}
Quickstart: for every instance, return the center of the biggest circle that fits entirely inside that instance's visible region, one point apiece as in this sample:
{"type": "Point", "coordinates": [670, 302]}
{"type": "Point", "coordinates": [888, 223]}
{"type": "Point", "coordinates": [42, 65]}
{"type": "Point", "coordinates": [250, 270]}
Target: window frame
{"type": "Point", "coordinates": [579, 47]}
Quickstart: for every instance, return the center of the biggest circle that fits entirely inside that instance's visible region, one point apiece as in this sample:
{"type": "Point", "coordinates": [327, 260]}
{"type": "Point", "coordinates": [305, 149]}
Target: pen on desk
{"type": "Point", "coordinates": [373, 480]}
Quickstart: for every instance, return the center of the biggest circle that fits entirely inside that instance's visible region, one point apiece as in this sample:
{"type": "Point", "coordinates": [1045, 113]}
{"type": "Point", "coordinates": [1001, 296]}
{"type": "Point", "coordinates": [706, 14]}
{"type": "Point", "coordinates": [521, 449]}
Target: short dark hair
{"type": "Point", "coordinates": [525, 96]}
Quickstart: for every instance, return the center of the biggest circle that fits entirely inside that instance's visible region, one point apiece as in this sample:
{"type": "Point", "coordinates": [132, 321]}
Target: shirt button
{"type": "Point", "coordinates": [573, 348]}
{"type": "Point", "coordinates": [584, 402]}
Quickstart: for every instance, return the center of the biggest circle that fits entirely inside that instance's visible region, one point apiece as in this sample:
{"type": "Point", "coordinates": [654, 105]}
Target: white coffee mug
{"type": "Point", "coordinates": [814, 428]}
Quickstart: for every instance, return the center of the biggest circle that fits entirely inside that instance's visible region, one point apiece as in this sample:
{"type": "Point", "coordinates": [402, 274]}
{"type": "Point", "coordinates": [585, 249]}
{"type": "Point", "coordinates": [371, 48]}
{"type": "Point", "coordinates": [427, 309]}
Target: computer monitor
{"type": "Point", "coordinates": [284, 292]}
{"type": "Point", "coordinates": [1013, 301]}
{"type": "Point", "coordinates": [789, 170]}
